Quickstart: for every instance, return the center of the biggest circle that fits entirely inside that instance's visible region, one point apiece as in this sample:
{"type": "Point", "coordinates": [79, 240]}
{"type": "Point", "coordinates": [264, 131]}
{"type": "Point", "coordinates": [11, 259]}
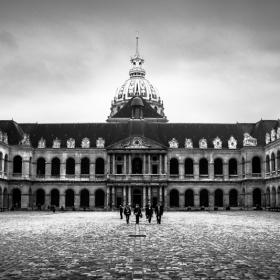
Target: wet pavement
{"type": "Point", "coordinates": [99, 245]}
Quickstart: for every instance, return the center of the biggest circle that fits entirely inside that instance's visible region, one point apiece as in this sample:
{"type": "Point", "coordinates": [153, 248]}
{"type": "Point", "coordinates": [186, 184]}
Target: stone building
{"type": "Point", "coordinates": [138, 156]}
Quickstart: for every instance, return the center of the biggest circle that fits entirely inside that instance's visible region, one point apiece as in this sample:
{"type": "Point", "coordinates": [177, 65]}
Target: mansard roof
{"type": "Point", "coordinates": [13, 129]}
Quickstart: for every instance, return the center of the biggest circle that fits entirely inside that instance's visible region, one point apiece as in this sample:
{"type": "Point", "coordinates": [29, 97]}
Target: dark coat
{"type": "Point", "coordinates": [149, 211]}
{"type": "Point", "coordinates": [137, 211]}
{"type": "Point", "coordinates": [127, 211]}
{"type": "Point", "coordinates": [121, 209]}
{"type": "Point", "coordinates": [159, 211]}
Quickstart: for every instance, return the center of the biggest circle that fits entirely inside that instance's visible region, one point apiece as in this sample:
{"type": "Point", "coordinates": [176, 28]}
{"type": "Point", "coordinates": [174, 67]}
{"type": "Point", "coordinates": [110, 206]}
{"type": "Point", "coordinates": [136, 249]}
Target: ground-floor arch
{"type": "Point", "coordinates": [40, 197]}
{"type": "Point", "coordinates": [204, 198]}
{"type": "Point", "coordinates": [55, 197]}
{"type": "Point", "coordinates": [137, 198]}
{"type": "Point", "coordinates": [99, 198]}
{"type": "Point", "coordinates": [189, 198]}
{"type": "Point", "coordinates": [84, 198]}
{"type": "Point", "coordinates": [233, 198]}
{"type": "Point", "coordinates": [219, 198]}
{"type": "Point", "coordinates": [16, 197]}
{"type": "Point", "coordinates": [174, 198]}
{"type": "Point", "coordinates": [69, 198]}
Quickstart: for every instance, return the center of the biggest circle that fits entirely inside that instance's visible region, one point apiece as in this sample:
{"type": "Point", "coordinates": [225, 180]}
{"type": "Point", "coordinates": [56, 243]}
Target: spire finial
{"type": "Point", "coordinates": [137, 37]}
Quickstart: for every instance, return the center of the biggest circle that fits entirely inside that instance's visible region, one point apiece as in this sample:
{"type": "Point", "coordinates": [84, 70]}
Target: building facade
{"type": "Point", "coordinates": [137, 156]}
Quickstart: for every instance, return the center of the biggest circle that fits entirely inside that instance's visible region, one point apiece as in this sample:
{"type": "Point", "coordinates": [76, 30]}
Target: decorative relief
{"type": "Point", "coordinates": [5, 138]}
{"type": "Point", "coordinates": [249, 140]}
{"type": "Point", "coordinates": [1, 135]}
{"type": "Point", "coordinates": [188, 143]}
{"type": "Point", "coordinates": [100, 143]}
{"type": "Point", "coordinates": [25, 140]}
{"type": "Point", "coordinates": [267, 138]}
{"type": "Point", "coordinates": [136, 143]}
{"type": "Point", "coordinates": [70, 143]}
{"type": "Point", "coordinates": [85, 143]}
{"type": "Point", "coordinates": [56, 143]}
{"type": "Point", "coordinates": [278, 133]}
{"type": "Point", "coordinates": [232, 143]}
{"type": "Point", "coordinates": [273, 135]}
{"type": "Point", "coordinates": [42, 143]}
{"type": "Point", "coordinates": [173, 143]}
{"type": "Point", "coordinates": [203, 143]}
{"type": "Point", "coordinates": [217, 143]}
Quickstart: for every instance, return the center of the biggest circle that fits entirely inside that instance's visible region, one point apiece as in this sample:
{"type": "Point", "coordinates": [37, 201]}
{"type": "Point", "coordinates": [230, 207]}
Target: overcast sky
{"type": "Point", "coordinates": [211, 60]}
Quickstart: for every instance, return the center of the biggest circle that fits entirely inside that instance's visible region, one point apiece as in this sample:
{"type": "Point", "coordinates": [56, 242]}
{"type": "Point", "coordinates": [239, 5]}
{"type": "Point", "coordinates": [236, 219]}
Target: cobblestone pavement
{"type": "Point", "coordinates": [98, 245]}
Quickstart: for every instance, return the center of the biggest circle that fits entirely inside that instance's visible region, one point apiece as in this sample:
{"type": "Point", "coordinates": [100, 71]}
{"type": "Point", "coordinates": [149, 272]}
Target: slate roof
{"type": "Point", "coordinates": [159, 132]}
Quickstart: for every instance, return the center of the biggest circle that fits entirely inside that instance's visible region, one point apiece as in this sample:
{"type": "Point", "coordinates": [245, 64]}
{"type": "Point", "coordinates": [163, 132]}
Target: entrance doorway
{"type": "Point", "coordinates": [155, 202]}
{"type": "Point", "coordinates": [137, 166]}
{"type": "Point", "coordinates": [137, 198]}
{"type": "Point", "coordinates": [119, 202]}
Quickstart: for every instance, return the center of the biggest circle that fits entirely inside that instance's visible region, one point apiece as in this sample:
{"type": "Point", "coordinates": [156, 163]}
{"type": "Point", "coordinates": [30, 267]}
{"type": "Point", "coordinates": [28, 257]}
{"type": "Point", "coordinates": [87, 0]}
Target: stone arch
{"type": "Point", "coordinates": [273, 162]}
{"type": "Point", "coordinates": [257, 197]}
{"type": "Point", "coordinates": [218, 166]}
{"type": "Point", "coordinates": [69, 198]}
{"type": "Point", "coordinates": [99, 198]}
{"type": "Point", "coordinates": [99, 166]}
{"type": "Point", "coordinates": [256, 165]}
{"type": "Point", "coordinates": [84, 198]}
{"type": "Point", "coordinates": [30, 166]}
{"type": "Point", "coordinates": [278, 196]}
{"type": "Point", "coordinates": [273, 197]}
{"type": "Point", "coordinates": [189, 198]}
{"type": "Point", "coordinates": [41, 166]}
{"type": "Point", "coordinates": [189, 166]}
{"type": "Point", "coordinates": [55, 197]}
{"type": "Point", "coordinates": [219, 198]}
{"type": "Point", "coordinates": [243, 166]}
{"type": "Point", "coordinates": [267, 164]}
{"type": "Point", "coordinates": [278, 161]}
{"type": "Point", "coordinates": [16, 197]}
{"type": "Point", "coordinates": [137, 165]}
{"type": "Point", "coordinates": [204, 198]}
{"type": "Point", "coordinates": [174, 198]}
{"type": "Point", "coordinates": [40, 197]}
{"type": "Point", "coordinates": [5, 163]}
{"type": "Point", "coordinates": [1, 197]}
{"type": "Point", "coordinates": [5, 198]}
{"type": "Point", "coordinates": [17, 164]}
{"type": "Point", "coordinates": [232, 166]}
{"type": "Point", "coordinates": [203, 166]}
{"type": "Point", "coordinates": [85, 166]}
{"type": "Point", "coordinates": [268, 197]}
{"type": "Point", "coordinates": [70, 166]}
{"type": "Point", "coordinates": [233, 198]}
{"type": "Point", "coordinates": [55, 169]}
{"type": "Point", "coordinates": [1, 161]}
{"type": "Point", "coordinates": [174, 166]}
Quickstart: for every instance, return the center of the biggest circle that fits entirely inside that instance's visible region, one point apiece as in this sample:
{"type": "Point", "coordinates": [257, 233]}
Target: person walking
{"type": "Point", "coordinates": [137, 213]}
{"type": "Point", "coordinates": [159, 212]}
{"type": "Point", "coordinates": [121, 211]}
{"type": "Point", "coordinates": [127, 213]}
{"type": "Point", "coordinates": [149, 212]}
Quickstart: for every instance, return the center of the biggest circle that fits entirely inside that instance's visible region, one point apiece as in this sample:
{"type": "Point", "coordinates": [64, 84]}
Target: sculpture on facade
{"type": "Point", "coordinates": [1, 135]}
{"type": "Point", "coordinates": [70, 143]}
{"type": "Point", "coordinates": [273, 135]}
{"type": "Point", "coordinates": [232, 143]}
{"type": "Point", "coordinates": [42, 143]}
{"type": "Point", "coordinates": [56, 143]}
{"type": "Point", "coordinates": [100, 143]}
{"type": "Point", "coordinates": [188, 143]}
{"type": "Point", "coordinates": [173, 143]}
{"type": "Point", "coordinates": [25, 140]}
{"type": "Point", "coordinates": [85, 143]}
{"type": "Point", "coordinates": [278, 133]}
{"type": "Point", "coordinates": [249, 140]}
{"type": "Point", "coordinates": [5, 138]}
{"type": "Point", "coordinates": [203, 143]}
{"type": "Point", "coordinates": [217, 142]}
{"type": "Point", "coordinates": [267, 138]}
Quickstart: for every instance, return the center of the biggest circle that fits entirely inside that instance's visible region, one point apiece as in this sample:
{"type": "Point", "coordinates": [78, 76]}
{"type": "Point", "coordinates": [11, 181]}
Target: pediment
{"type": "Point", "coordinates": [136, 142]}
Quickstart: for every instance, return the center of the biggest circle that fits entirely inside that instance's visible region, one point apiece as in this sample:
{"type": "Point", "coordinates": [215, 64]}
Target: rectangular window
{"type": "Point", "coordinates": [154, 169]}
{"type": "Point", "coordinates": [119, 169]}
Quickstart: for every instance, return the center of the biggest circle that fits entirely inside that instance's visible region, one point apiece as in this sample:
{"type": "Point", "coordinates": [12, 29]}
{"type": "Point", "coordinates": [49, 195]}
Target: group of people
{"type": "Point", "coordinates": [149, 211]}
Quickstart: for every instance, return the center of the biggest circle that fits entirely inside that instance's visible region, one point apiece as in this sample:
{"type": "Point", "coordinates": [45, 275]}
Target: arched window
{"type": "Point", "coordinates": [30, 166]}
{"type": "Point", "coordinates": [233, 198]}
{"type": "Point", "coordinates": [218, 167]}
{"type": "Point", "coordinates": [243, 166]}
{"type": "Point", "coordinates": [273, 197]}
{"type": "Point", "coordinates": [6, 164]}
{"type": "Point", "coordinates": [232, 167]}
{"type": "Point", "coordinates": [84, 198]}
{"type": "Point", "coordinates": [41, 166]}
{"type": "Point", "coordinates": [267, 164]}
{"type": "Point", "coordinates": [257, 197]}
{"type": "Point", "coordinates": [189, 166]}
{"type": "Point", "coordinates": [203, 167]}
{"type": "Point", "coordinates": [174, 198]}
{"type": "Point", "coordinates": [189, 198]}
{"type": "Point", "coordinates": [55, 167]}
{"type": "Point", "coordinates": [17, 165]}
{"type": "Point", "coordinates": [70, 166]}
{"type": "Point", "coordinates": [174, 166]}
{"type": "Point", "coordinates": [273, 162]}
{"type": "Point", "coordinates": [256, 166]}
{"type": "Point", "coordinates": [85, 166]}
{"type": "Point", "coordinates": [268, 197]}
{"type": "Point", "coordinates": [99, 166]}
{"type": "Point", "coordinates": [16, 197]}
{"type": "Point", "coordinates": [204, 198]}
{"type": "Point", "coordinates": [69, 198]}
{"type": "Point", "coordinates": [40, 197]}
{"type": "Point", "coordinates": [55, 197]}
{"type": "Point", "coordinates": [5, 198]}
{"type": "Point", "coordinates": [219, 200]}
{"type": "Point", "coordinates": [278, 160]}
{"type": "Point", "coordinates": [1, 199]}
{"type": "Point", "coordinates": [1, 161]}
{"type": "Point", "coordinates": [99, 198]}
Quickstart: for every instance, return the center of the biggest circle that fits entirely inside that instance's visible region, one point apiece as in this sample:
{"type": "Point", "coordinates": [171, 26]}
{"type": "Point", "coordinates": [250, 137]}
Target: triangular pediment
{"type": "Point", "coordinates": [137, 142]}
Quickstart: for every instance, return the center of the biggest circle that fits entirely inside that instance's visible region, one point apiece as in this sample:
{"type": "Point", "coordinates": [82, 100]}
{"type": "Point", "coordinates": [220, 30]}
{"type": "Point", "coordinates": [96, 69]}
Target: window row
{"type": "Point", "coordinates": [271, 161]}
{"type": "Point", "coordinates": [5, 161]}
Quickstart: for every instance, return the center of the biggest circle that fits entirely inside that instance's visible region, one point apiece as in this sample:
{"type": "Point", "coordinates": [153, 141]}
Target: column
{"type": "Point", "coordinates": [149, 194]}
{"type": "Point", "coordinates": [226, 199]}
{"type": "Point", "coordinates": [108, 164]}
{"type": "Point", "coordinates": [144, 164]}
{"type": "Point", "coordinates": [196, 200]}
{"type": "Point", "coordinates": [108, 197]}
{"type": "Point", "coordinates": [61, 199]}
{"type": "Point", "coordinates": [196, 170]}
{"type": "Point", "coordinates": [92, 170]}
{"type": "Point", "coordinates": [62, 170]}
{"type": "Point", "coordinates": [78, 169]}
{"type": "Point", "coordinates": [47, 200]}
{"type": "Point", "coordinates": [181, 200]}
{"type": "Point", "coordinates": [144, 197]}
{"type": "Point", "coordinates": [165, 196]}
{"type": "Point", "coordinates": [181, 170]}
{"type": "Point", "coordinates": [124, 196]}
{"type": "Point", "coordinates": [129, 164]}
{"type": "Point", "coordinates": [211, 199]}
{"type": "Point", "coordinates": [149, 163]}
{"type": "Point", "coordinates": [129, 195]}
{"type": "Point", "coordinates": [114, 164]}
{"type": "Point", "coordinates": [211, 170]}
{"type": "Point", "coordinates": [124, 165]}
{"type": "Point", "coordinates": [113, 197]}
{"type": "Point", "coordinates": [92, 201]}
{"type": "Point", "coordinates": [25, 168]}
{"type": "Point", "coordinates": [24, 197]}
{"type": "Point", "coordinates": [160, 164]}
{"type": "Point", "coordinates": [48, 170]}
{"type": "Point", "coordinates": [77, 198]}
{"type": "Point", "coordinates": [225, 171]}
{"type": "Point", "coordinates": [165, 164]}
{"type": "Point", "coordinates": [160, 194]}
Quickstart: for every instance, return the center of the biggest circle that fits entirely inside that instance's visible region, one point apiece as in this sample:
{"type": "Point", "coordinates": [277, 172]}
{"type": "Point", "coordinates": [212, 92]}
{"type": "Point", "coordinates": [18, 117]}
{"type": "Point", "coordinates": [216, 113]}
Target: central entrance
{"type": "Point", "coordinates": [137, 198]}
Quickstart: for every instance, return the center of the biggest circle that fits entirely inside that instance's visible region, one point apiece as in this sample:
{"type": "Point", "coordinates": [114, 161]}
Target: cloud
{"type": "Point", "coordinates": [8, 40]}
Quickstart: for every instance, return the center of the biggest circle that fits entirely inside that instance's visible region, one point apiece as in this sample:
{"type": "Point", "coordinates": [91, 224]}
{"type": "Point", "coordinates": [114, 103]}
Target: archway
{"type": "Point", "coordinates": [84, 198]}
{"type": "Point", "coordinates": [99, 198]}
{"type": "Point", "coordinates": [69, 198]}
{"type": "Point", "coordinates": [174, 166]}
{"type": "Point", "coordinates": [137, 166]}
{"type": "Point", "coordinates": [278, 195]}
{"type": "Point", "coordinates": [5, 198]}
{"type": "Point", "coordinates": [17, 165]}
{"type": "Point", "coordinates": [99, 166]}
{"type": "Point", "coordinates": [189, 166]}
{"type": "Point", "coordinates": [174, 198]}
{"type": "Point", "coordinates": [41, 166]}
{"type": "Point", "coordinates": [203, 167]}
{"type": "Point", "coordinates": [85, 166]}
{"type": "Point", "coordinates": [1, 197]}
{"type": "Point", "coordinates": [232, 166]}
{"type": "Point", "coordinates": [189, 198]}
{"type": "Point", "coordinates": [16, 197]}
{"type": "Point", "coordinates": [218, 167]}
{"type": "Point", "coordinates": [268, 197]}
{"type": "Point", "coordinates": [55, 167]}
{"type": "Point", "coordinates": [233, 195]}
{"type": "Point", "coordinates": [273, 197]}
{"type": "Point", "coordinates": [204, 198]}
{"type": "Point", "coordinates": [70, 166]}
{"type": "Point", "coordinates": [219, 198]}
{"type": "Point", "coordinates": [256, 165]}
{"type": "Point", "coordinates": [55, 197]}
{"type": "Point", "coordinates": [40, 197]}
{"type": "Point", "coordinates": [137, 197]}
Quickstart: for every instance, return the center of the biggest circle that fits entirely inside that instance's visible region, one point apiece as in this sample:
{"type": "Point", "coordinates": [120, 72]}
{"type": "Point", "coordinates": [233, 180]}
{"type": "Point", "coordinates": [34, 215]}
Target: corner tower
{"type": "Point", "coordinates": [137, 85]}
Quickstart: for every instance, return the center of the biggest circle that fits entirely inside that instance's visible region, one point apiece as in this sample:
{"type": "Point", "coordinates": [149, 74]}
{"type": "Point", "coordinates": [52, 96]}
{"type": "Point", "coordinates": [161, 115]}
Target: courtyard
{"type": "Point", "coordinates": [99, 245]}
